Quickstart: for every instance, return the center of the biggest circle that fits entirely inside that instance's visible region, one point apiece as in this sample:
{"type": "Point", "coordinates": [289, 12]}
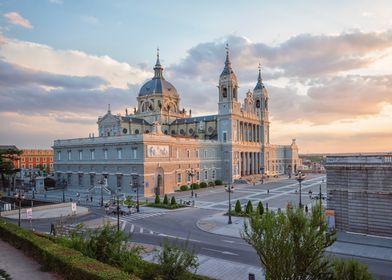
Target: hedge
{"type": "Point", "coordinates": [70, 263]}
{"type": "Point", "coordinates": [165, 206]}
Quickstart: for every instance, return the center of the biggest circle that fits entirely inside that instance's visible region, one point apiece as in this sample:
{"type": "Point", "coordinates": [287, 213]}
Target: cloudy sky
{"type": "Point", "coordinates": [327, 65]}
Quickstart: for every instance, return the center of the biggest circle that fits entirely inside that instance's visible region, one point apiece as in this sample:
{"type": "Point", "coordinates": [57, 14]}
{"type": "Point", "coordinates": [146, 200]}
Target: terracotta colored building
{"type": "Point", "coordinates": [35, 159]}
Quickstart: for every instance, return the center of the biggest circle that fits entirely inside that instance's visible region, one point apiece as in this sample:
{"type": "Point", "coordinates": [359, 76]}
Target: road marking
{"type": "Point", "coordinates": [228, 241]}
{"type": "Point", "coordinates": [132, 228]}
{"type": "Point", "coordinates": [222, 252]}
{"type": "Point", "coordinates": [178, 237]}
{"type": "Point", "coordinates": [123, 225]}
{"type": "Point", "coordinates": [141, 230]}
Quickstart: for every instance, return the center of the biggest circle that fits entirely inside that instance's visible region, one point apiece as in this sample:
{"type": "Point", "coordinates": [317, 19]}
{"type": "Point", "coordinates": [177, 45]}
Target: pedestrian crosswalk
{"type": "Point", "coordinates": [139, 216]}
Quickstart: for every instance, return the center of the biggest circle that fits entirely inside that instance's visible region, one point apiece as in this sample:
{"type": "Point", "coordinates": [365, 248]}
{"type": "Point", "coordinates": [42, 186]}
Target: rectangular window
{"type": "Point", "coordinates": [58, 155]}
{"type": "Point", "coordinates": [119, 153]}
{"type": "Point", "coordinates": [197, 176]}
{"type": "Point", "coordinates": [23, 159]}
{"type": "Point", "coordinates": [37, 159]}
{"type": "Point", "coordinates": [197, 153]}
{"type": "Point", "coordinates": [51, 165]}
{"type": "Point", "coordinates": [178, 153]}
{"type": "Point", "coordinates": [69, 155]}
{"type": "Point", "coordinates": [205, 153]}
{"type": "Point", "coordinates": [92, 154]}
{"type": "Point", "coordinates": [44, 165]}
{"type": "Point", "coordinates": [224, 136]}
{"type": "Point", "coordinates": [23, 166]}
{"type": "Point", "coordinates": [213, 174]}
{"type": "Point", "coordinates": [188, 177]}
{"type": "Point", "coordinates": [205, 175]}
{"type": "Point", "coordinates": [30, 166]}
{"type": "Point", "coordinates": [188, 153]}
{"type": "Point", "coordinates": [119, 181]}
{"type": "Point", "coordinates": [80, 155]}
{"type": "Point", "coordinates": [92, 179]}
{"type": "Point", "coordinates": [179, 178]}
{"type": "Point", "coordinates": [80, 179]}
{"type": "Point", "coordinates": [134, 152]}
{"type": "Point", "coordinates": [105, 154]}
{"type": "Point", "coordinates": [69, 179]}
{"type": "Point", "coordinates": [30, 159]}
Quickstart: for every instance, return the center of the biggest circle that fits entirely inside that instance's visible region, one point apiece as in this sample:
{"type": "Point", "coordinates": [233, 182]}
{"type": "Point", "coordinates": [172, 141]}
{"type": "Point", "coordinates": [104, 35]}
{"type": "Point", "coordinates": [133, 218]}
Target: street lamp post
{"type": "Point", "coordinates": [118, 211]}
{"type": "Point", "coordinates": [229, 222]}
{"type": "Point", "coordinates": [300, 177]}
{"type": "Point", "coordinates": [101, 183]}
{"type": "Point", "coordinates": [19, 198]}
{"type": "Point", "coordinates": [191, 173]}
{"type": "Point", "coordinates": [135, 182]}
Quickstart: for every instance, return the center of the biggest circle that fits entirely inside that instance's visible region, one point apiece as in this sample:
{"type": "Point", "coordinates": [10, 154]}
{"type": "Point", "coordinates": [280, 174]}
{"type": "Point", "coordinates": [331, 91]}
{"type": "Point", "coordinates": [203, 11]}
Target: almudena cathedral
{"type": "Point", "coordinates": [165, 147]}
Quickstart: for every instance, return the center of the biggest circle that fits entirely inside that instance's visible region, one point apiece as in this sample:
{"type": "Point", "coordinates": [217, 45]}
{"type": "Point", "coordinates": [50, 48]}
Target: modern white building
{"type": "Point", "coordinates": [166, 147]}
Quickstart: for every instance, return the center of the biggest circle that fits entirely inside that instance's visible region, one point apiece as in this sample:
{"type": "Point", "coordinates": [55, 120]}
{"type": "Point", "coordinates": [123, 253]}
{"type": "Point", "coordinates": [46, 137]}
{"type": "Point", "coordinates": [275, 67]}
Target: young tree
{"type": "Point", "coordinates": [238, 207]}
{"type": "Point", "coordinates": [7, 168]}
{"type": "Point", "coordinates": [176, 260]}
{"type": "Point", "coordinates": [157, 199]}
{"type": "Point", "coordinates": [350, 269]}
{"type": "Point", "coordinates": [260, 208]}
{"type": "Point", "coordinates": [173, 201]}
{"type": "Point", "coordinates": [249, 208]}
{"type": "Point", "coordinates": [165, 200]}
{"type": "Point", "coordinates": [290, 245]}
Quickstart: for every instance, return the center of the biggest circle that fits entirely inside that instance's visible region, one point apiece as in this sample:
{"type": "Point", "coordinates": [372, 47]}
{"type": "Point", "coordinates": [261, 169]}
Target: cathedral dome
{"type": "Point", "coordinates": [158, 85]}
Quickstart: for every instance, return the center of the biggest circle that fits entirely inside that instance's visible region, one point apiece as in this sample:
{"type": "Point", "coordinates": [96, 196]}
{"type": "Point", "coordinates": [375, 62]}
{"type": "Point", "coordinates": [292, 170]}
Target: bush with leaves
{"type": "Point", "coordinates": [203, 185]}
{"type": "Point", "coordinates": [238, 208]}
{"type": "Point", "coordinates": [291, 245]}
{"type": "Point", "coordinates": [184, 188]}
{"type": "Point", "coordinates": [165, 200]}
{"type": "Point", "coordinates": [350, 269]}
{"type": "Point", "coordinates": [173, 201]}
{"type": "Point", "coordinates": [218, 182]}
{"type": "Point", "coordinates": [249, 207]}
{"type": "Point", "coordinates": [195, 186]}
{"type": "Point", "coordinates": [260, 208]}
{"type": "Point", "coordinates": [157, 199]}
{"type": "Point", "coordinates": [176, 260]}
{"type": "Point", "coordinates": [211, 183]}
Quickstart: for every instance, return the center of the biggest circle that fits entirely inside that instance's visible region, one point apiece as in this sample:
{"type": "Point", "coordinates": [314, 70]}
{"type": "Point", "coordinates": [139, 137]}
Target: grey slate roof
{"type": "Point", "coordinates": [132, 119]}
{"type": "Point", "coordinates": [195, 119]}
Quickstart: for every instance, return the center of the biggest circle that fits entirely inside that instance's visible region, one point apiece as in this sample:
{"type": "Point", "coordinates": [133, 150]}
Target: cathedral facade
{"type": "Point", "coordinates": [164, 147]}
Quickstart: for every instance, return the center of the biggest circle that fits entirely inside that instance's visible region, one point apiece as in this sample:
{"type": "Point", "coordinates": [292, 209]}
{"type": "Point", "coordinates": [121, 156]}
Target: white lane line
{"type": "Point", "coordinates": [222, 252]}
{"type": "Point", "coordinates": [178, 237]}
{"type": "Point", "coordinates": [123, 225]}
{"type": "Point", "coordinates": [141, 230]}
{"type": "Point", "coordinates": [132, 228]}
{"type": "Point", "coordinates": [228, 241]}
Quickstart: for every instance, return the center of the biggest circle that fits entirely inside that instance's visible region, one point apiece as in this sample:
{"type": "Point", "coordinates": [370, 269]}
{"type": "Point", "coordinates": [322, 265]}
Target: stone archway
{"type": "Point", "coordinates": [159, 181]}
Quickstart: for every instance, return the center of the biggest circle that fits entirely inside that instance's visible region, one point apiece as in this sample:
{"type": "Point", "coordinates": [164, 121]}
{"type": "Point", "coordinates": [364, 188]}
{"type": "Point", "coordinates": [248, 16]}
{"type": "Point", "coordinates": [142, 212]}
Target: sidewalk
{"type": "Point", "coordinates": [347, 243]}
{"type": "Point", "coordinates": [20, 266]}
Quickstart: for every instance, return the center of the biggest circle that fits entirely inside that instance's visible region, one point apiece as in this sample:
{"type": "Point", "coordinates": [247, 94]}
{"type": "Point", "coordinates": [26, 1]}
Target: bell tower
{"type": "Point", "coordinates": [261, 102]}
{"type": "Point", "coordinates": [228, 88]}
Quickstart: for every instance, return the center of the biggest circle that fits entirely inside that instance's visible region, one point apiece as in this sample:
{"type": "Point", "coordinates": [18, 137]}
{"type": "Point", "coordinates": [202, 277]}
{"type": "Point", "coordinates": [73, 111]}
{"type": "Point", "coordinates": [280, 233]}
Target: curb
{"type": "Point", "coordinates": [220, 234]}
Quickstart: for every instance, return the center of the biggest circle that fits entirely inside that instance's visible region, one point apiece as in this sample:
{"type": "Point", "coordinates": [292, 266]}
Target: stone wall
{"type": "Point", "coordinates": [360, 191]}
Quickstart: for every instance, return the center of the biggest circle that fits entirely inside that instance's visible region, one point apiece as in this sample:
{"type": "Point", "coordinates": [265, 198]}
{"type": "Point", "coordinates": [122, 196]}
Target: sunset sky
{"type": "Point", "coordinates": [326, 64]}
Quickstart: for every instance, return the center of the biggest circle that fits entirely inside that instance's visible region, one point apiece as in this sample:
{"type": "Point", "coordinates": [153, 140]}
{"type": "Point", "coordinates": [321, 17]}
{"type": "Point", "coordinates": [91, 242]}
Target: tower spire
{"type": "Point", "coordinates": [227, 70]}
{"type": "Point", "coordinates": [109, 108]}
{"type": "Point", "coordinates": [259, 84]}
{"type": "Point", "coordinates": [158, 68]}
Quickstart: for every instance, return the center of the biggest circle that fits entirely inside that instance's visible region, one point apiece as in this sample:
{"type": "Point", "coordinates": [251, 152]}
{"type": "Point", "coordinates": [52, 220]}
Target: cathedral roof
{"type": "Point", "coordinates": [158, 85]}
{"type": "Point", "coordinates": [259, 85]}
{"type": "Point", "coordinates": [227, 70]}
{"type": "Point", "coordinates": [195, 119]}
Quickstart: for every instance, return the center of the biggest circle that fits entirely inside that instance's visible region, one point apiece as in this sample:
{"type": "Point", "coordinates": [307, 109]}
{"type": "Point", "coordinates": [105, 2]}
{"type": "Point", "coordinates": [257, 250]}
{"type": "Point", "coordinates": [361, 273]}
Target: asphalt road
{"type": "Point", "coordinates": [181, 225]}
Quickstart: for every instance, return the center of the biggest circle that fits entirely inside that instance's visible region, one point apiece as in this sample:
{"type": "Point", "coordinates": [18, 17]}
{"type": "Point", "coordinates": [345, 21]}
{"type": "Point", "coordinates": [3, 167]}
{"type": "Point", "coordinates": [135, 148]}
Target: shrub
{"type": "Point", "coordinates": [249, 207]}
{"type": "Point", "coordinates": [350, 269]}
{"type": "Point", "coordinates": [165, 200]}
{"type": "Point", "coordinates": [173, 201]}
{"type": "Point", "coordinates": [260, 208]}
{"type": "Point", "coordinates": [184, 188]}
{"type": "Point", "coordinates": [218, 182]}
{"type": "Point", "coordinates": [203, 185]}
{"type": "Point", "coordinates": [176, 260]}
{"type": "Point", "coordinates": [238, 208]}
{"type": "Point", "coordinates": [211, 183]}
{"type": "Point", "coordinates": [157, 199]}
{"type": "Point", "coordinates": [68, 262]}
{"type": "Point", "coordinates": [165, 206]}
{"type": "Point", "coordinates": [195, 186]}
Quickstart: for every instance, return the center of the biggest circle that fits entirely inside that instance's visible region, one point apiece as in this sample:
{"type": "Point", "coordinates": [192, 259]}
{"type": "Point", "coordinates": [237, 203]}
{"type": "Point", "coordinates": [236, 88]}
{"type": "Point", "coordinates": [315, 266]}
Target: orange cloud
{"type": "Point", "coordinates": [17, 19]}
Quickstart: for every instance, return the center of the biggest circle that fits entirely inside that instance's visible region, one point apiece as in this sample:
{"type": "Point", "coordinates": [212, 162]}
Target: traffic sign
{"type": "Point", "coordinates": [29, 213]}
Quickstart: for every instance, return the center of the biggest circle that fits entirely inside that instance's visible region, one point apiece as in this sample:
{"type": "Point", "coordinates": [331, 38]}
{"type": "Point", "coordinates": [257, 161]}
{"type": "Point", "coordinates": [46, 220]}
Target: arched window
{"type": "Point", "coordinates": [224, 92]}
{"type": "Point", "coordinates": [173, 132]}
{"type": "Point", "coordinates": [147, 131]}
{"type": "Point", "coordinates": [182, 132]}
{"type": "Point", "coordinates": [136, 131]}
{"type": "Point", "coordinates": [257, 103]}
{"type": "Point", "coordinates": [235, 93]}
